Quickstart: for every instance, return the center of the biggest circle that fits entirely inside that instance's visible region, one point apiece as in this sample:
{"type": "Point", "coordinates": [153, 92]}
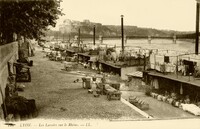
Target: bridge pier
{"type": "Point", "coordinates": [149, 39]}
{"type": "Point", "coordinates": [100, 39]}
{"type": "Point", "coordinates": [125, 39]}
{"type": "Point", "coordinates": [174, 39]}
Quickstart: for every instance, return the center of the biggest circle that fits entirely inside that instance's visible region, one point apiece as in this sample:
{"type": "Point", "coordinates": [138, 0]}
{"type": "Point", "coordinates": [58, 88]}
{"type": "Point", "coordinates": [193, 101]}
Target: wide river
{"type": "Point", "coordinates": [167, 44]}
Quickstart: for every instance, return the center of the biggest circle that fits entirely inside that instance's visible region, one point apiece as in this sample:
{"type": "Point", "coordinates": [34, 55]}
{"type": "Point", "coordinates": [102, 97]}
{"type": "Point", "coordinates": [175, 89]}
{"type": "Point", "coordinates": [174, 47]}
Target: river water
{"type": "Point", "coordinates": [166, 44]}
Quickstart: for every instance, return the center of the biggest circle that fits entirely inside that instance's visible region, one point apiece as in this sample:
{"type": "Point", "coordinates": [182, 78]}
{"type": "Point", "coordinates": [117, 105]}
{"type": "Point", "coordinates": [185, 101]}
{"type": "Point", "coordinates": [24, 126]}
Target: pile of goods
{"type": "Point", "coordinates": [138, 103]}
{"type": "Point", "coordinates": [55, 56]}
{"type": "Point", "coordinates": [165, 98]}
{"type": "Point", "coordinates": [113, 94]}
{"type": "Point", "coordinates": [16, 107]}
{"type": "Point", "coordinates": [110, 90]}
{"type": "Point", "coordinates": [184, 104]}
{"type": "Point", "coordinates": [192, 108]}
{"type": "Point", "coordinates": [19, 107]}
{"type": "Point", "coordinates": [68, 66]}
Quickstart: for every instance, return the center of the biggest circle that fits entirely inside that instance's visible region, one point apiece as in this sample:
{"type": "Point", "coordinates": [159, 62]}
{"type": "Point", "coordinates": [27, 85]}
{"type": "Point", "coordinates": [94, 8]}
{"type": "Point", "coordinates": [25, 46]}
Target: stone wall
{"type": "Point", "coordinates": [8, 52]}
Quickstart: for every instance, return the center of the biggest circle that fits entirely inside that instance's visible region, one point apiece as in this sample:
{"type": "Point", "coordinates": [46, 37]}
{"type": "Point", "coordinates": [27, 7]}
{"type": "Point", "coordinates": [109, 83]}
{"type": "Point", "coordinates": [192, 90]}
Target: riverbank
{"type": "Point", "coordinates": [58, 97]}
{"type": "Point", "coordinates": [63, 103]}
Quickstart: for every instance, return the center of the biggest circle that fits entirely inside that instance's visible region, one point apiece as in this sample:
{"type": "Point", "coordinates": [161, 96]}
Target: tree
{"type": "Point", "coordinates": [29, 19]}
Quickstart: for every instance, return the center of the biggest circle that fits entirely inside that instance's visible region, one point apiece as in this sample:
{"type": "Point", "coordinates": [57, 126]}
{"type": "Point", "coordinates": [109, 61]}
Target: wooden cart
{"type": "Point", "coordinates": [113, 94]}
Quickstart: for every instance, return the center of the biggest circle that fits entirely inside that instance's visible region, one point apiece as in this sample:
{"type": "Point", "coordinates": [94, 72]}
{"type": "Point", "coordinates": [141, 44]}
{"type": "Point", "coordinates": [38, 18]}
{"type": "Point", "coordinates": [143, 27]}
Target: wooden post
{"type": "Point", "coordinates": [145, 62]}
{"type": "Point", "coordinates": [94, 35]}
{"type": "Point", "coordinates": [177, 67]}
{"type": "Point", "coordinates": [79, 38]}
{"type": "Point", "coordinates": [28, 45]}
{"type": "Point", "coordinates": [197, 29]}
{"type": "Point", "coordinates": [122, 33]}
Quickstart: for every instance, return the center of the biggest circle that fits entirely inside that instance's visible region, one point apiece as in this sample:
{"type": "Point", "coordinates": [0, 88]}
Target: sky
{"type": "Point", "coordinates": [179, 15]}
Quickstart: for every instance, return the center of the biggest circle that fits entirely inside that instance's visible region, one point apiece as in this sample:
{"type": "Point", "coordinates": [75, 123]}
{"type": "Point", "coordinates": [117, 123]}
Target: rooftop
{"type": "Point", "coordinates": [184, 79]}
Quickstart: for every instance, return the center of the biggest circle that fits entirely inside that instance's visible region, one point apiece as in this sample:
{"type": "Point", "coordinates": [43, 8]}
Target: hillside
{"type": "Point", "coordinates": [70, 27]}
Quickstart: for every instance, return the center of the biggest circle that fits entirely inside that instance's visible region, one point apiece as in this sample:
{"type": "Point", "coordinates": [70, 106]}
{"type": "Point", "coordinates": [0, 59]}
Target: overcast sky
{"type": "Point", "coordinates": [160, 14]}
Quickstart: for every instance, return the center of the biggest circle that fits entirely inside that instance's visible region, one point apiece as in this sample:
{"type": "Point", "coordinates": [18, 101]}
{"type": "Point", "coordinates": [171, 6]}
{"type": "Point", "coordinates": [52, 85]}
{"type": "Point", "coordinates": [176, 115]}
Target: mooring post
{"type": "Point", "coordinates": [197, 28]}
{"type": "Point", "coordinates": [79, 39]}
{"type": "Point", "coordinates": [94, 35]}
{"type": "Point", "coordinates": [122, 32]}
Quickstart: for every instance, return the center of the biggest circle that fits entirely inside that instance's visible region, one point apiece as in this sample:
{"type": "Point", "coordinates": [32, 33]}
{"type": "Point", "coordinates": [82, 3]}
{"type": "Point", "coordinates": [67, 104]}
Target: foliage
{"type": "Point", "coordinates": [27, 18]}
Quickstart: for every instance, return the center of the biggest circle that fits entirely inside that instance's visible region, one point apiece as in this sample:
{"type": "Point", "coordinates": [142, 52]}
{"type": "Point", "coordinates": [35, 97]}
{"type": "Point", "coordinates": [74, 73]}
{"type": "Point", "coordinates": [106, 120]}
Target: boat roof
{"type": "Point", "coordinates": [183, 79]}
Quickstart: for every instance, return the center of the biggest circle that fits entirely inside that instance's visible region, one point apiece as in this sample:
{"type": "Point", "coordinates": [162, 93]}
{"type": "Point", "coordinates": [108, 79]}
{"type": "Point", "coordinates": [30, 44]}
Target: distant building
{"type": "Point", "coordinates": [86, 21]}
{"type": "Point", "coordinates": [71, 26]}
